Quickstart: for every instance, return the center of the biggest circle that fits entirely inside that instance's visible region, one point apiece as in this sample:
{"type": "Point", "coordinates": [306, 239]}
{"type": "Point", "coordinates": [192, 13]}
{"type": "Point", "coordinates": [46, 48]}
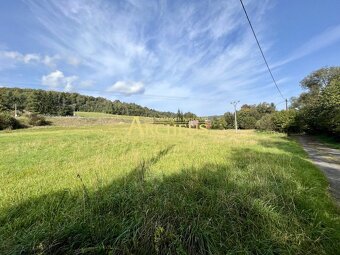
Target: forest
{"type": "Point", "coordinates": [64, 103]}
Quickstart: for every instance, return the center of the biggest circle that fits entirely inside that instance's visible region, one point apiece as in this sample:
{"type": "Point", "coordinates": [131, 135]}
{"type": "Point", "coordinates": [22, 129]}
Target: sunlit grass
{"type": "Point", "coordinates": [107, 115]}
{"type": "Point", "coordinates": [95, 119]}
{"type": "Point", "coordinates": [110, 188]}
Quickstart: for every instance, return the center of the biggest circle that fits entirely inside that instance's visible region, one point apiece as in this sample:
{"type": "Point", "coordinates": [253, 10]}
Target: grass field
{"type": "Point", "coordinates": [109, 189]}
{"type": "Point", "coordinates": [107, 115]}
{"type": "Point", "coordinates": [95, 119]}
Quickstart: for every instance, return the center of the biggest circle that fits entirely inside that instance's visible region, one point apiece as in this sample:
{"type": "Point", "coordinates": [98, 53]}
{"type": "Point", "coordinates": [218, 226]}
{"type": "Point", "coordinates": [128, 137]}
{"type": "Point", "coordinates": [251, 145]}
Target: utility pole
{"type": "Point", "coordinates": [234, 103]}
{"type": "Point", "coordinates": [74, 110]}
{"type": "Point", "coordinates": [15, 111]}
{"type": "Point", "coordinates": [286, 104]}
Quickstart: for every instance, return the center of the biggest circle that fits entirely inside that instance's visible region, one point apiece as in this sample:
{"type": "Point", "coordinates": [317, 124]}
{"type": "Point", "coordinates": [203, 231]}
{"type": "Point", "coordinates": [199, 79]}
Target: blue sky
{"type": "Point", "coordinates": [194, 55]}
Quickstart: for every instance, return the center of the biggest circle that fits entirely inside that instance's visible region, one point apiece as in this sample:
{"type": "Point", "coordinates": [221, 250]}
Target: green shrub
{"type": "Point", "coordinates": [218, 123]}
{"type": "Point", "coordinates": [282, 121]}
{"type": "Point", "coordinates": [36, 120]}
{"type": "Point", "coordinates": [65, 111]}
{"type": "Point", "coordinates": [286, 121]}
{"type": "Point", "coordinates": [8, 122]}
{"type": "Point", "coordinates": [247, 122]}
{"type": "Point", "coordinates": [266, 123]}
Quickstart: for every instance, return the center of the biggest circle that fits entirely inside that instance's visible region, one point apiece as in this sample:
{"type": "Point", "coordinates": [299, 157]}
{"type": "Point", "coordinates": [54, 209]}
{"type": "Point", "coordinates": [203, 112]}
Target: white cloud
{"type": "Point", "coordinates": [50, 61]}
{"type": "Point", "coordinates": [127, 87]}
{"type": "Point", "coordinates": [200, 48]}
{"type": "Point", "coordinates": [30, 58]}
{"type": "Point", "coordinates": [126, 41]}
{"type": "Point", "coordinates": [17, 57]}
{"type": "Point", "coordinates": [57, 79]}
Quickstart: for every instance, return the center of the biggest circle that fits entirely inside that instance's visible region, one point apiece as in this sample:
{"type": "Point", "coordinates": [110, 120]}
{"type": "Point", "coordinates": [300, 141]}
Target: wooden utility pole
{"type": "Point", "coordinates": [234, 103]}
{"type": "Point", "coordinates": [286, 104]}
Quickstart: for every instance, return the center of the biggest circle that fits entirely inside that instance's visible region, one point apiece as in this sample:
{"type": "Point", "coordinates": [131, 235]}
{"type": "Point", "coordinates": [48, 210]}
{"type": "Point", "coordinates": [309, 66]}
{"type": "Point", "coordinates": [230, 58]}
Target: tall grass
{"type": "Point", "coordinates": [163, 190]}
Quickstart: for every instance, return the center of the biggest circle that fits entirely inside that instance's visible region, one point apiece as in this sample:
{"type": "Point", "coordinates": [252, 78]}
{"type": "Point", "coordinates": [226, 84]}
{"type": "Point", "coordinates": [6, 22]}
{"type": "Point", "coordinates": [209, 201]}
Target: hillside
{"type": "Point", "coordinates": [64, 103]}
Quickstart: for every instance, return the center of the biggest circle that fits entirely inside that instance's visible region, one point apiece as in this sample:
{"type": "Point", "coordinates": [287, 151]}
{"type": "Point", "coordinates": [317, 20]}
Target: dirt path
{"type": "Point", "coordinates": [327, 159]}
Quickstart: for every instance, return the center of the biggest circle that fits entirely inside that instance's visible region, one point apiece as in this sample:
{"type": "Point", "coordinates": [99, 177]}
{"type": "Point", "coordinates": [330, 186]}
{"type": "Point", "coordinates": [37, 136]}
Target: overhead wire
{"type": "Point", "coordinates": [264, 58]}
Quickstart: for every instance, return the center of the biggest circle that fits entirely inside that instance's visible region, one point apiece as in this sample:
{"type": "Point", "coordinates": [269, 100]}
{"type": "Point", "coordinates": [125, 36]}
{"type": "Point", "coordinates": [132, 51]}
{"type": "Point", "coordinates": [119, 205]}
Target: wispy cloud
{"type": "Point", "coordinates": [200, 53]}
{"type": "Point", "coordinates": [205, 46]}
{"type": "Point", "coordinates": [318, 42]}
{"type": "Point", "coordinates": [15, 57]}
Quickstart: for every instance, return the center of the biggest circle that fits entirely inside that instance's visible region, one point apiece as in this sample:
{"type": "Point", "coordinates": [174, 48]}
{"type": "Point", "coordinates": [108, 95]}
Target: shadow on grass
{"type": "Point", "coordinates": [250, 206]}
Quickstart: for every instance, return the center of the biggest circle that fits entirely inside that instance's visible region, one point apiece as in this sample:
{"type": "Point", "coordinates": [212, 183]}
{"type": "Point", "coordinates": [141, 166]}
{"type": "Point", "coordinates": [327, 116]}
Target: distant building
{"type": "Point", "coordinates": [194, 124]}
{"type": "Point", "coordinates": [207, 124]}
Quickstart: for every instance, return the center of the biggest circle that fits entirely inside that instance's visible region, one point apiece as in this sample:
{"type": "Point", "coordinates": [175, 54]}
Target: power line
{"type": "Point", "coordinates": [281, 102]}
{"type": "Point", "coordinates": [285, 101]}
{"type": "Point", "coordinates": [265, 60]}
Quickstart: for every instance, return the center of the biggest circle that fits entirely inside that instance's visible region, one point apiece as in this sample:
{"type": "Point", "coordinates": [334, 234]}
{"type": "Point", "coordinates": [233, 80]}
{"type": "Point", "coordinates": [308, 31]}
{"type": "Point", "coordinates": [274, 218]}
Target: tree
{"type": "Point", "coordinates": [229, 120]}
{"type": "Point", "coordinates": [218, 123]}
{"type": "Point", "coordinates": [266, 123]}
{"type": "Point", "coordinates": [248, 116]}
{"type": "Point", "coordinates": [319, 79]}
{"type": "Point", "coordinates": [318, 107]}
{"type": "Point", "coordinates": [53, 102]}
{"type": "Point", "coordinates": [35, 101]}
{"type": "Point", "coordinates": [189, 116]}
{"type": "Point", "coordinates": [66, 110]}
{"type": "Point", "coordinates": [265, 108]}
{"type": "Point", "coordinates": [179, 116]}
{"type": "Point", "coordinates": [280, 121]}
{"type": "Point", "coordinates": [286, 121]}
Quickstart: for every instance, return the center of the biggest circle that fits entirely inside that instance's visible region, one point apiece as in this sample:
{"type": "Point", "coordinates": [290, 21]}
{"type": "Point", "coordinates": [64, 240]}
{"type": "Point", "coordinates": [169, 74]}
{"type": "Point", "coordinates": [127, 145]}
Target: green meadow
{"type": "Point", "coordinates": [114, 116]}
{"type": "Point", "coordinates": [113, 188]}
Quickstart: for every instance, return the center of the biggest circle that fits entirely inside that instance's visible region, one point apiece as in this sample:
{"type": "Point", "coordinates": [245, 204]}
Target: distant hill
{"type": "Point", "coordinates": [64, 103]}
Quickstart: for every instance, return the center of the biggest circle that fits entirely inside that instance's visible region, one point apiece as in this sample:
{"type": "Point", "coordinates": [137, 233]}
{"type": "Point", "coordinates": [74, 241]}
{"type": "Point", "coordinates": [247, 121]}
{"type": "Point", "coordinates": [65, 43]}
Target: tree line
{"type": "Point", "coordinates": [247, 116]}
{"type": "Point", "coordinates": [315, 111]}
{"type": "Point", "coordinates": [63, 103]}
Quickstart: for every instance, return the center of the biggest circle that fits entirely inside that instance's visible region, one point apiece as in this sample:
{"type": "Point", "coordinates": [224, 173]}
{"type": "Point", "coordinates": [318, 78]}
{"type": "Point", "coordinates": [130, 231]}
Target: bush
{"type": "Point", "coordinates": [247, 122]}
{"type": "Point", "coordinates": [266, 123]}
{"type": "Point", "coordinates": [286, 121]}
{"type": "Point", "coordinates": [65, 111]}
{"type": "Point", "coordinates": [218, 123]}
{"type": "Point", "coordinates": [8, 122]}
{"type": "Point", "coordinates": [283, 121]}
{"type": "Point", "coordinates": [36, 120]}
